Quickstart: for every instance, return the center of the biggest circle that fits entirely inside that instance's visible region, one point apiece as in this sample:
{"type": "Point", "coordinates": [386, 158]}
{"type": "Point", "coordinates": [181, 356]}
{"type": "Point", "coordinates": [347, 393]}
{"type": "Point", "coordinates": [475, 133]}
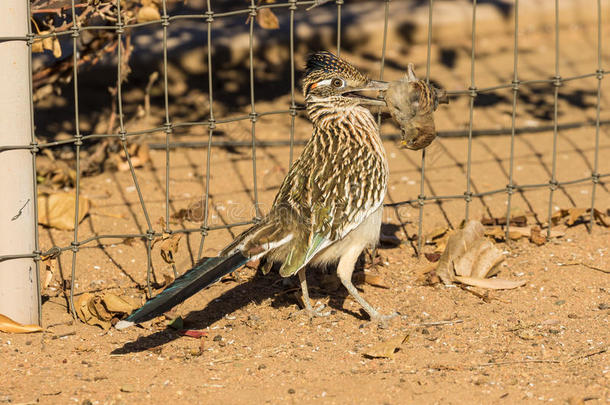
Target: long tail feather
{"type": "Point", "coordinates": [199, 277]}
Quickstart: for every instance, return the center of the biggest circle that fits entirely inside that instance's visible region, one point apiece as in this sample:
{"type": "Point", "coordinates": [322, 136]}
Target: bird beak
{"type": "Point", "coordinates": [377, 85]}
{"type": "Point", "coordinates": [372, 85]}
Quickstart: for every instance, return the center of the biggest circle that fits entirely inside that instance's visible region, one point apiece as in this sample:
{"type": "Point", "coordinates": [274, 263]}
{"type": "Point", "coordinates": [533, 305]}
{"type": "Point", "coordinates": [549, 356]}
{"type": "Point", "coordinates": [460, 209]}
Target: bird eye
{"type": "Point", "coordinates": [337, 83]}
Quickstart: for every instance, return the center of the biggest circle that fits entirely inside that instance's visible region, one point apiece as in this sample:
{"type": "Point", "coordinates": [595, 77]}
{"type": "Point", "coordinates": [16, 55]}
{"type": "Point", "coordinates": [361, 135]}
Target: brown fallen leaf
{"type": "Point", "coordinates": [435, 234]}
{"type": "Point", "coordinates": [579, 215]}
{"type": "Point", "coordinates": [57, 173]}
{"type": "Point", "coordinates": [490, 283]}
{"type": "Point", "coordinates": [514, 233]}
{"type": "Point", "coordinates": [386, 349]}
{"type": "Point", "coordinates": [433, 257]}
{"type": "Point", "coordinates": [267, 19]}
{"type": "Point", "coordinates": [517, 216]}
{"type": "Point", "coordinates": [57, 210]}
{"type": "Point", "coordinates": [7, 325]}
{"type": "Point", "coordinates": [116, 304]}
{"type": "Point", "coordinates": [148, 13]}
{"type": "Point", "coordinates": [471, 259]}
{"type": "Point", "coordinates": [427, 275]}
{"type": "Point", "coordinates": [370, 279]}
{"type": "Point", "coordinates": [169, 247]}
{"type": "Point", "coordinates": [536, 236]}
{"type": "Point", "coordinates": [50, 265]}
{"type": "Point", "coordinates": [602, 218]}
{"type": "Point", "coordinates": [574, 214]}
{"type": "Point", "coordinates": [101, 309]}
{"type": "Point", "coordinates": [47, 44]}
{"type": "Point", "coordinates": [139, 155]}
{"type": "Point", "coordinates": [480, 260]}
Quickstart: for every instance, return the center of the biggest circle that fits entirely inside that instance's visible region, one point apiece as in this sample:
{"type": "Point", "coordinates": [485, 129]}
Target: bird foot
{"type": "Point", "coordinates": [383, 320]}
{"type": "Point", "coordinates": [317, 312]}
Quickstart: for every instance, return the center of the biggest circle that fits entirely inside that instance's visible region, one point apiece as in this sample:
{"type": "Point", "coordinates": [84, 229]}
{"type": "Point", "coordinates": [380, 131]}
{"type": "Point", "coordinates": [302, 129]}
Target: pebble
{"type": "Point", "coordinates": [127, 388]}
{"type": "Point", "coordinates": [603, 306]}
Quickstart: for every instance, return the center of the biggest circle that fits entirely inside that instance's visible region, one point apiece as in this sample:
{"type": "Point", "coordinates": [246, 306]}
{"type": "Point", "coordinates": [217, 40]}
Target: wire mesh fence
{"type": "Point", "coordinates": [209, 16]}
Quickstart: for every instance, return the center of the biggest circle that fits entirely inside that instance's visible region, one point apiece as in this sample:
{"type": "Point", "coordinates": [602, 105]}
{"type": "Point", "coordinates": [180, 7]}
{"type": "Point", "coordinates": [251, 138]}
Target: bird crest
{"type": "Point", "coordinates": [324, 64]}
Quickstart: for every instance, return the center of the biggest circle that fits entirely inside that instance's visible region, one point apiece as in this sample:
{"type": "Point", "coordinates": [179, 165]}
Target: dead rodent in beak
{"type": "Point", "coordinates": [412, 103]}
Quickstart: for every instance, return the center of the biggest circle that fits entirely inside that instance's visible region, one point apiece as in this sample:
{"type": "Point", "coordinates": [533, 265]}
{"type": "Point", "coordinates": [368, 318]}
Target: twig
{"type": "Point", "coordinates": [70, 322]}
{"type": "Point", "coordinates": [63, 335]}
{"type": "Point", "coordinates": [505, 363]}
{"type": "Point", "coordinates": [437, 323]}
{"type": "Point", "coordinates": [586, 265]}
{"type": "Point", "coordinates": [586, 356]}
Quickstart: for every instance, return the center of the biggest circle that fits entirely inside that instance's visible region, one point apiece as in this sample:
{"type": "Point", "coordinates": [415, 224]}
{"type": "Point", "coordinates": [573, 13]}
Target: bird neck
{"type": "Point", "coordinates": [324, 115]}
{"type": "Point", "coordinates": [351, 121]}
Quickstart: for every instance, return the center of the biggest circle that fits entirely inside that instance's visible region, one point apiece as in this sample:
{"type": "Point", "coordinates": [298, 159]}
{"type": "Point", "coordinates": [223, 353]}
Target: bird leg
{"type": "Point", "coordinates": [344, 271]}
{"type": "Point", "coordinates": [312, 312]}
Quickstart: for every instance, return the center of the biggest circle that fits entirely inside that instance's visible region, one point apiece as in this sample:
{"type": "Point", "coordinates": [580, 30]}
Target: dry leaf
{"type": "Point", "coordinates": [536, 236]}
{"type": "Point", "coordinates": [490, 283]}
{"type": "Point", "coordinates": [371, 279]}
{"type": "Point", "coordinates": [47, 44]}
{"type": "Point", "coordinates": [57, 210]}
{"type": "Point", "coordinates": [517, 218]}
{"type": "Point", "coordinates": [471, 259]}
{"type": "Point", "coordinates": [148, 13]}
{"type": "Point", "coordinates": [267, 19]}
{"type": "Point", "coordinates": [515, 232]}
{"type": "Point", "coordinates": [100, 310]}
{"type": "Point", "coordinates": [433, 257]}
{"type": "Point", "coordinates": [50, 264]}
{"type": "Point", "coordinates": [83, 311]}
{"type": "Point", "coordinates": [480, 260]}
{"type": "Point", "coordinates": [388, 348]}
{"type": "Point", "coordinates": [169, 247]}
{"type": "Point", "coordinates": [436, 234]}
{"type": "Point", "coordinates": [139, 155]}
{"type": "Point", "coordinates": [601, 217]}
{"type": "Point", "coordinates": [117, 304]}
{"type": "Point", "coordinates": [7, 325]}
{"type": "Point", "coordinates": [574, 214]}
{"type": "Point", "coordinates": [56, 172]}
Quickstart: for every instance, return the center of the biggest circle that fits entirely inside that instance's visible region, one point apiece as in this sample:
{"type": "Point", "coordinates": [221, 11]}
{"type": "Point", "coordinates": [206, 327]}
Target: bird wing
{"type": "Point", "coordinates": [327, 193]}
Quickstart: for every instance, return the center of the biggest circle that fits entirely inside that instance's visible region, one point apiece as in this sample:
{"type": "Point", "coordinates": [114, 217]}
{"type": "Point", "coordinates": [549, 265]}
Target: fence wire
{"type": "Point", "coordinates": [294, 6]}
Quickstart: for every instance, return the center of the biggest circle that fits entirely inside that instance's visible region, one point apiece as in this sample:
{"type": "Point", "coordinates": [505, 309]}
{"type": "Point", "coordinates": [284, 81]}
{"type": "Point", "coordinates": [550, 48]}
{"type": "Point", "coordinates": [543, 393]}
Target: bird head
{"type": "Point", "coordinates": [329, 78]}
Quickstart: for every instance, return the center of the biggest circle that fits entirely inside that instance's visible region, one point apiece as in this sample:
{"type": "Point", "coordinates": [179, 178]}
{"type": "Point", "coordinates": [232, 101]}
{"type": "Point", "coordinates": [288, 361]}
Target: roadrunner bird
{"type": "Point", "coordinates": [329, 206]}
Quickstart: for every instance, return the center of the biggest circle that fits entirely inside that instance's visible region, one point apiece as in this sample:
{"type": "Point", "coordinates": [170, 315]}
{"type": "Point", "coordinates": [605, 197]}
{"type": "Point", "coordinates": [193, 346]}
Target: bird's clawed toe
{"type": "Point", "coordinates": [383, 320]}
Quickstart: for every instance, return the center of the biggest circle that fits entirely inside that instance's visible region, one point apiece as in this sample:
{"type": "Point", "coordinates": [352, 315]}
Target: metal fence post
{"type": "Point", "coordinates": [19, 288]}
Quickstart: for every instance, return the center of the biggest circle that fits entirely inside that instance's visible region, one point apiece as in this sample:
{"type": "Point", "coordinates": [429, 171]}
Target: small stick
{"type": "Point", "coordinates": [586, 356]}
{"type": "Point", "coordinates": [63, 335]}
{"type": "Point", "coordinates": [504, 363]}
{"type": "Point", "coordinates": [586, 265]}
{"type": "Point", "coordinates": [438, 323]}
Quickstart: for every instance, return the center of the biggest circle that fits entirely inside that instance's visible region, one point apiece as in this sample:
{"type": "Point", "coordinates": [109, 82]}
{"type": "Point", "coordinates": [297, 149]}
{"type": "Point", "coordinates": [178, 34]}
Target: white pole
{"type": "Point", "coordinates": [19, 296]}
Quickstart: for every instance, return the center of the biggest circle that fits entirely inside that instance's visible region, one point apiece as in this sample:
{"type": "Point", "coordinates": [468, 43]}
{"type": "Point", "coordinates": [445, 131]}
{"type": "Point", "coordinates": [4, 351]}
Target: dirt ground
{"type": "Point", "coordinates": [547, 341]}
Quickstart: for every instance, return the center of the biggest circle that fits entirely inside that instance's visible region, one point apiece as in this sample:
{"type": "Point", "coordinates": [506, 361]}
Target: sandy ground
{"type": "Point", "coordinates": [544, 342]}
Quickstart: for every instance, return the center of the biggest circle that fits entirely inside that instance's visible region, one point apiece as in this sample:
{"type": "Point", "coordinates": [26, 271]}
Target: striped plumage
{"type": "Point", "coordinates": [329, 206]}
